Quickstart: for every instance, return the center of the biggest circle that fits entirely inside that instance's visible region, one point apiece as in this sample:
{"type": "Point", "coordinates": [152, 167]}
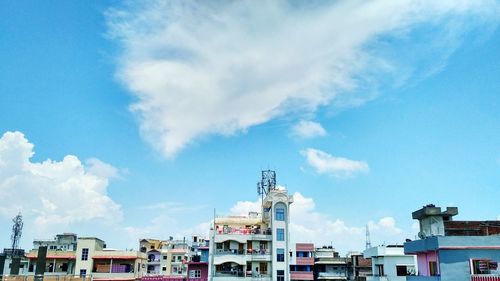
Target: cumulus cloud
{"type": "Point", "coordinates": [309, 225]}
{"type": "Point", "coordinates": [53, 193]}
{"type": "Point", "coordinates": [324, 163]}
{"type": "Point", "coordinates": [199, 68]}
{"type": "Point", "coordinates": [308, 129]}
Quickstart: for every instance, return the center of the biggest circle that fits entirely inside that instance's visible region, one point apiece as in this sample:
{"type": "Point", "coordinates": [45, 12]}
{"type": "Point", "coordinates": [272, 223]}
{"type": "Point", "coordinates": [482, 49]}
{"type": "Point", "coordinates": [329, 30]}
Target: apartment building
{"type": "Point", "coordinates": [359, 267]}
{"type": "Point", "coordinates": [253, 246]}
{"type": "Point", "coordinates": [302, 261]}
{"type": "Point", "coordinates": [454, 251]}
{"type": "Point", "coordinates": [391, 263]}
{"type": "Point", "coordinates": [328, 265]}
{"type": "Point", "coordinates": [94, 260]}
{"type": "Point", "coordinates": [57, 262]}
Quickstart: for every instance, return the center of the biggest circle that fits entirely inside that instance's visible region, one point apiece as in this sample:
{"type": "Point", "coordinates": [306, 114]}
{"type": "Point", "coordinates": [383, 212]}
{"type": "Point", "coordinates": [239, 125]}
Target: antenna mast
{"type": "Point", "coordinates": [267, 183]}
{"type": "Point", "coordinates": [368, 242]}
{"type": "Point", "coordinates": [17, 231]}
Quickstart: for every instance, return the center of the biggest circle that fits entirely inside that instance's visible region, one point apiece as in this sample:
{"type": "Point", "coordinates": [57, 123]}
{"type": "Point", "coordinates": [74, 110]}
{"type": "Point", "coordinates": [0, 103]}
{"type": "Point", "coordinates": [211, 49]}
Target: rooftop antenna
{"type": "Point", "coordinates": [267, 183]}
{"type": "Point", "coordinates": [17, 231]}
{"type": "Point", "coordinates": [368, 241]}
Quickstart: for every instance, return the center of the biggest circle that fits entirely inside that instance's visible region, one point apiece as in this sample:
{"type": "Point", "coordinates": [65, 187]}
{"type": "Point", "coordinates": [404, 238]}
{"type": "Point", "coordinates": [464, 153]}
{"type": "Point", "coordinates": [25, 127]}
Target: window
{"type": "Point", "coordinates": [280, 213]}
{"type": "Point", "coordinates": [85, 254]}
{"type": "Point", "coordinates": [280, 275]}
{"type": "Point", "coordinates": [280, 254]}
{"type": "Point", "coordinates": [164, 268]}
{"type": "Point", "coordinates": [401, 270]}
{"type": "Point", "coordinates": [280, 234]}
{"type": "Point", "coordinates": [483, 266]}
{"type": "Point", "coordinates": [433, 268]}
{"type": "Point", "coordinates": [195, 273]}
{"type": "Point", "coordinates": [380, 269]}
{"type": "Point", "coordinates": [83, 273]}
{"type": "Point", "coordinates": [164, 257]}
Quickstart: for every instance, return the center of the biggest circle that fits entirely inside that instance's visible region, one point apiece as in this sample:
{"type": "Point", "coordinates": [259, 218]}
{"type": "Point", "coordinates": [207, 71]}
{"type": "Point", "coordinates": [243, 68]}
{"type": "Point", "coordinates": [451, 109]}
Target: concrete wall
{"type": "Point", "coordinates": [455, 264]}
{"type": "Point", "coordinates": [423, 260]}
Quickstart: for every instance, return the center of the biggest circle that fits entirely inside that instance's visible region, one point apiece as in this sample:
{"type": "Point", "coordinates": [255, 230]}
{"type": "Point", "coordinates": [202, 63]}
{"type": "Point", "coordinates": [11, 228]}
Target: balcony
{"type": "Point", "coordinates": [385, 278]}
{"type": "Point", "coordinates": [240, 276]}
{"type": "Point", "coordinates": [301, 275]}
{"type": "Point", "coordinates": [305, 261]}
{"type": "Point", "coordinates": [107, 276]}
{"type": "Point", "coordinates": [336, 275]}
{"type": "Point", "coordinates": [485, 277]}
{"type": "Point", "coordinates": [423, 278]}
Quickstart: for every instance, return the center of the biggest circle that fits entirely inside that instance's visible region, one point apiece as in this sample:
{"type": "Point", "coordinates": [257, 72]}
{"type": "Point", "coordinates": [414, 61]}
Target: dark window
{"type": "Point", "coordinates": [280, 255]}
{"type": "Point", "coordinates": [85, 254]}
{"type": "Point", "coordinates": [401, 270]}
{"type": "Point", "coordinates": [433, 268]}
{"type": "Point", "coordinates": [380, 270]}
{"type": "Point", "coordinates": [83, 273]}
{"type": "Point", "coordinates": [280, 275]}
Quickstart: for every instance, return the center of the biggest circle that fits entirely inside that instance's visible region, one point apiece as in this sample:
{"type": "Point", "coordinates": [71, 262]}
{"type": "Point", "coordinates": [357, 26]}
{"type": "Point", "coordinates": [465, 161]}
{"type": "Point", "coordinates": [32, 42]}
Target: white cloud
{"type": "Point", "coordinates": [53, 195]}
{"type": "Point", "coordinates": [309, 225]}
{"type": "Point", "coordinates": [199, 68]}
{"type": "Point", "coordinates": [308, 129]}
{"type": "Point", "coordinates": [325, 163]}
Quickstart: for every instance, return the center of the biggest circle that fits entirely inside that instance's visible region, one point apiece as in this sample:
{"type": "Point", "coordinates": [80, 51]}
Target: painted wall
{"type": "Point", "coordinates": [455, 264]}
{"type": "Point", "coordinates": [423, 260]}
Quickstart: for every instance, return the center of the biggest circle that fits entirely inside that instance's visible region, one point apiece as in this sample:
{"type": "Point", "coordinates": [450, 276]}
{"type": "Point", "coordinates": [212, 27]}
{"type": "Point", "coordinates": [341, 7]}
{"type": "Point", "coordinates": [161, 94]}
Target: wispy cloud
{"type": "Point", "coordinates": [200, 68]}
{"type": "Point", "coordinates": [308, 129]}
{"type": "Point", "coordinates": [324, 163]}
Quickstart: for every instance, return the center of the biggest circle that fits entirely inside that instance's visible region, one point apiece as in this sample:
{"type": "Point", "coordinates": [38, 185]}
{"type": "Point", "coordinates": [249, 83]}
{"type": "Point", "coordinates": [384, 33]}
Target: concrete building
{"type": "Point", "coordinates": [61, 242]}
{"type": "Point", "coordinates": [328, 265]}
{"type": "Point", "coordinates": [390, 263]}
{"type": "Point", "coordinates": [454, 258]}
{"type": "Point", "coordinates": [358, 266]}
{"type": "Point", "coordinates": [57, 263]}
{"type": "Point", "coordinates": [7, 265]}
{"type": "Point", "coordinates": [253, 246]}
{"type": "Point", "coordinates": [94, 260]}
{"type": "Point", "coordinates": [302, 261]}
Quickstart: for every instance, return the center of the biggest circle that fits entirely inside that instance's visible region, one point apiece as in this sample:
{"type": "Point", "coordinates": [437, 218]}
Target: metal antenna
{"type": "Point", "coordinates": [17, 231]}
{"type": "Point", "coordinates": [267, 183]}
{"type": "Point", "coordinates": [368, 242]}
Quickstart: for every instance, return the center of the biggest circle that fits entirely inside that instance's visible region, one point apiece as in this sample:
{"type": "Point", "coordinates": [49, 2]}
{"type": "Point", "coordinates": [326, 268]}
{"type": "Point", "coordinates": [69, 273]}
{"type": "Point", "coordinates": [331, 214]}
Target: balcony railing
{"type": "Point", "coordinates": [332, 274]}
{"type": "Point", "coordinates": [229, 252]}
{"type": "Point", "coordinates": [244, 231]}
{"type": "Point", "coordinates": [242, 252]}
{"type": "Point", "coordinates": [485, 277]}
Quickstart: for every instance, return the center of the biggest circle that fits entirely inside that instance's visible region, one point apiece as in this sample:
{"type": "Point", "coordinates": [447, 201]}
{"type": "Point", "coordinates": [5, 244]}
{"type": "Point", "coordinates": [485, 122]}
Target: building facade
{"type": "Point", "coordinates": [328, 265]}
{"type": "Point", "coordinates": [253, 246]}
{"type": "Point", "coordinates": [464, 251]}
{"type": "Point", "coordinates": [302, 262]}
{"type": "Point", "coordinates": [391, 263]}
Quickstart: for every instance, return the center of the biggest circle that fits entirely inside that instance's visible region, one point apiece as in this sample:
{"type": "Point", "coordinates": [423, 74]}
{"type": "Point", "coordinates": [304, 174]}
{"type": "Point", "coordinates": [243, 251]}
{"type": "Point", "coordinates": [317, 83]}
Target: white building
{"type": "Point", "coordinates": [390, 263]}
{"type": "Point", "coordinates": [254, 246]}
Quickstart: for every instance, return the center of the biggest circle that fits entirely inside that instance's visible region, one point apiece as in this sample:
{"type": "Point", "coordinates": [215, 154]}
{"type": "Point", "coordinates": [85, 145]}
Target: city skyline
{"type": "Point", "coordinates": [127, 121]}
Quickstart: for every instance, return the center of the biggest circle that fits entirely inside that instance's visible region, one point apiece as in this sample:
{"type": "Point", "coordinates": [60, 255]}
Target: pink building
{"type": "Point", "coordinates": [197, 271]}
{"type": "Point", "coordinates": [302, 262]}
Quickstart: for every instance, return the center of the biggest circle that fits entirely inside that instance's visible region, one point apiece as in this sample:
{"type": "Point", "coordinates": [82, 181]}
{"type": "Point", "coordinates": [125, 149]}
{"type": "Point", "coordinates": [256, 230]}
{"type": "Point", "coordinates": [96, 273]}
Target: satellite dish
{"type": "Point", "coordinates": [422, 235]}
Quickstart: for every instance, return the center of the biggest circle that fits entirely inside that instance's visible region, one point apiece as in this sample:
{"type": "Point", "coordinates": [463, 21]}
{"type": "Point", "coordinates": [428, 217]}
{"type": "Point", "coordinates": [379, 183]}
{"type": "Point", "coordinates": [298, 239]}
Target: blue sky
{"type": "Point", "coordinates": [171, 111]}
